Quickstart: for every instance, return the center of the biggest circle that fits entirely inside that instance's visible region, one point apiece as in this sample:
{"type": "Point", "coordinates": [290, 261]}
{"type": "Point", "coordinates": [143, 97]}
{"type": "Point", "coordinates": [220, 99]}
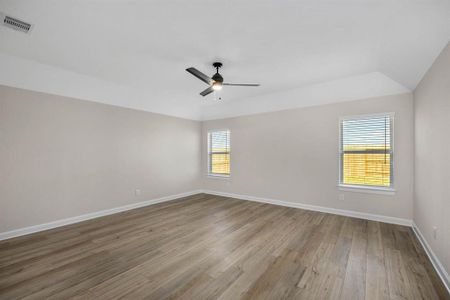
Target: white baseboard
{"type": "Point", "coordinates": [88, 216]}
{"type": "Point", "coordinates": [433, 258]}
{"type": "Point", "coordinates": [341, 212]}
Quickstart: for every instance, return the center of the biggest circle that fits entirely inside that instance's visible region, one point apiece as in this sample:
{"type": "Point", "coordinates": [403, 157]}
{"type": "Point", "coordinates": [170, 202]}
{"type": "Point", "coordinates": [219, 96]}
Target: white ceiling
{"type": "Point", "coordinates": [304, 52]}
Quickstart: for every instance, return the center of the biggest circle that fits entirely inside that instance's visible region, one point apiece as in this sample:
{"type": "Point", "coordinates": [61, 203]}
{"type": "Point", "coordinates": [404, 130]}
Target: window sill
{"type": "Point", "coordinates": [367, 189]}
{"type": "Point", "coordinates": [218, 176]}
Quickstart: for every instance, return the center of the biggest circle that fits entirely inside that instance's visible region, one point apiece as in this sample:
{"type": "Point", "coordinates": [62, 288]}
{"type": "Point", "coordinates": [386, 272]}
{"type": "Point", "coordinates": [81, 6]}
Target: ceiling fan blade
{"type": "Point", "coordinates": [241, 84]}
{"type": "Point", "coordinates": [206, 79]}
{"type": "Point", "coordinates": [207, 91]}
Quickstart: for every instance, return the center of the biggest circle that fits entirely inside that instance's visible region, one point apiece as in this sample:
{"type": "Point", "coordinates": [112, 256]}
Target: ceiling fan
{"type": "Point", "coordinates": [216, 81]}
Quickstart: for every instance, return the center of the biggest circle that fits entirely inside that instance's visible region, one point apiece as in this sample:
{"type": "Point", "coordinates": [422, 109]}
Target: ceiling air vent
{"type": "Point", "coordinates": [16, 24]}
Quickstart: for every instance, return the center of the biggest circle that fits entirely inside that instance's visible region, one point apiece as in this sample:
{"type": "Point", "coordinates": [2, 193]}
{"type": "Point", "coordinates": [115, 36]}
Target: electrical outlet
{"type": "Point", "coordinates": [435, 229]}
{"type": "Point", "coordinates": [137, 192]}
{"type": "Point", "coordinates": [341, 197]}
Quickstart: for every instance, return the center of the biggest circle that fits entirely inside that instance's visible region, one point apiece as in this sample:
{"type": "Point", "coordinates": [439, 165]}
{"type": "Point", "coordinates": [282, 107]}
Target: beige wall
{"type": "Point", "coordinates": [61, 157]}
{"type": "Point", "coordinates": [293, 156]}
{"type": "Point", "coordinates": [432, 156]}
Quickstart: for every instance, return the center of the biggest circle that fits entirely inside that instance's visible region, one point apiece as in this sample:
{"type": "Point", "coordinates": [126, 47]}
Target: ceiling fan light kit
{"type": "Point", "coordinates": [216, 81]}
{"type": "Point", "coordinates": [217, 86]}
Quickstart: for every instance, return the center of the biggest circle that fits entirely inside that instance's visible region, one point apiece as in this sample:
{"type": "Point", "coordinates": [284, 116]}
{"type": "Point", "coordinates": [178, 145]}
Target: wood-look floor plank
{"type": "Point", "coordinates": [211, 247]}
{"type": "Point", "coordinates": [376, 276]}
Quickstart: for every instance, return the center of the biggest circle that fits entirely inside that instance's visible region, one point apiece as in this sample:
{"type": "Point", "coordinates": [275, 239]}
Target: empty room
{"type": "Point", "coordinates": [271, 149]}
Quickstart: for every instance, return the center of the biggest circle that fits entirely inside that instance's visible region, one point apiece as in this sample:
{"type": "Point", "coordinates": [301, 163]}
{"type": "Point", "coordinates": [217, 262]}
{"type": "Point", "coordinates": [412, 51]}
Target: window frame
{"type": "Point", "coordinates": [209, 166]}
{"type": "Point", "coordinates": [389, 190]}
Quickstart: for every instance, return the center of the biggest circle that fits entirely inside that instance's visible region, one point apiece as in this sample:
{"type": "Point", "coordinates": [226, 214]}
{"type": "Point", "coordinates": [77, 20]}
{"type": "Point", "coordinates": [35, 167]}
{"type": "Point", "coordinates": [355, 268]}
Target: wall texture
{"type": "Point", "coordinates": [293, 156]}
{"type": "Point", "coordinates": [61, 157]}
{"type": "Point", "coordinates": [432, 156]}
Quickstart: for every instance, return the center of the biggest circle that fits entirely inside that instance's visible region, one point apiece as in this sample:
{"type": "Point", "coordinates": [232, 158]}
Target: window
{"type": "Point", "coordinates": [366, 151]}
{"type": "Point", "coordinates": [219, 152]}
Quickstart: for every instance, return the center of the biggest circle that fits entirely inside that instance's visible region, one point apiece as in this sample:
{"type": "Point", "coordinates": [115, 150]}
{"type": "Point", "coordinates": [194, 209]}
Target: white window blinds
{"type": "Point", "coordinates": [219, 152]}
{"type": "Point", "coordinates": [366, 152]}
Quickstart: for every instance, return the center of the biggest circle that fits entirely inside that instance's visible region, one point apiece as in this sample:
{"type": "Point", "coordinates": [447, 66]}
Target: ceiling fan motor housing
{"type": "Point", "coordinates": [217, 77]}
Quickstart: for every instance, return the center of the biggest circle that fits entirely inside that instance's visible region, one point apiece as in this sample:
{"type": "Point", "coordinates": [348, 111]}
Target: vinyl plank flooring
{"type": "Point", "coordinates": [211, 247]}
